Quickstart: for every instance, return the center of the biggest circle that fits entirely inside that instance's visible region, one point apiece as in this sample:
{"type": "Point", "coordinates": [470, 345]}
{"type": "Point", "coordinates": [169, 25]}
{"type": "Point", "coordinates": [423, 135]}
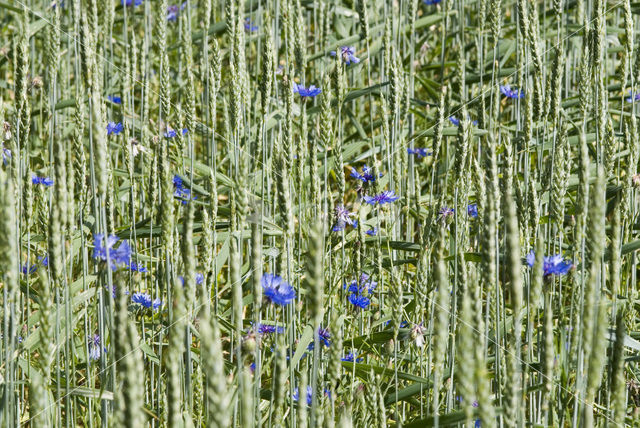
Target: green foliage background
{"type": "Point", "coordinates": [461, 329]}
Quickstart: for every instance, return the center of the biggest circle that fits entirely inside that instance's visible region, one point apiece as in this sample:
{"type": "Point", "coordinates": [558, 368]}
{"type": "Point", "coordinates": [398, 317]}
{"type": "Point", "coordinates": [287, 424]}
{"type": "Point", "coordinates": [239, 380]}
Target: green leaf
{"type": "Point", "coordinates": [363, 371]}
{"type": "Point", "coordinates": [303, 344]}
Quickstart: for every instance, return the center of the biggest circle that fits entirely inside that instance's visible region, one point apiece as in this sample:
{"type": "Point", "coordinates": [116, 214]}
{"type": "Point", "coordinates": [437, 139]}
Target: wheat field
{"type": "Point", "coordinates": [319, 213]}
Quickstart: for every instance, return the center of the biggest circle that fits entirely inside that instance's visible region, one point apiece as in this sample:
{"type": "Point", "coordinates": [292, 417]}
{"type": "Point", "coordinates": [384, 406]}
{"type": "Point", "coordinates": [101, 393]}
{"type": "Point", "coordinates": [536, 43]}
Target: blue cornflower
{"type": "Point", "coordinates": [199, 278]}
{"type": "Point", "coordinates": [472, 210]}
{"type": "Point", "coordinates": [446, 212]}
{"type": "Point", "coordinates": [131, 2]}
{"type": "Point", "coordinates": [386, 197]}
{"type": "Point", "coordinates": [138, 268]}
{"type": "Point", "coordinates": [248, 27]}
{"type": "Point", "coordinates": [402, 324]}
{"type": "Point", "coordinates": [343, 218]}
{"type": "Point", "coordinates": [456, 121]}
{"type": "Point", "coordinates": [103, 249]}
{"type": "Point", "coordinates": [171, 133]}
{"type": "Point", "coordinates": [28, 270]}
{"type": "Point", "coordinates": [366, 176]}
{"type": "Point", "coordinates": [114, 128]}
{"type": "Point", "coordinates": [324, 336]}
{"type": "Point", "coordinates": [144, 300]}
{"type": "Point", "coordinates": [351, 357]}
{"type": "Point", "coordinates": [553, 265]}
{"type": "Point", "coordinates": [633, 97]}
{"type": "Point", "coordinates": [269, 329]}
{"type": "Point", "coordinates": [6, 154]}
{"type": "Point", "coordinates": [172, 12]}
{"type": "Point", "coordinates": [115, 99]}
{"type": "Point", "coordinates": [431, 2]}
{"type": "Point", "coordinates": [348, 54]}
{"type": "Point", "coordinates": [372, 232]}
{"type": "Point", "coordinates": [46, 181]}
{"type": "Point", "coordinates": [95, 348]}
{"type": "Point", "coordinates": [365, 284]}
{"type": "Point", "coordinates": [419, 152]}
{"type": "Point", "coordinates": [511, 93]}
{"type": "Point", "coordinates": [311, 91]}
{"type": "Point", "coordinates": [276, 290]}
{"type": "Point", "coordinates": [359, 301]}
{"type": "Point", "coordinates": [181, 191]}
{"type": "Point", "coordinates": [309, 394]}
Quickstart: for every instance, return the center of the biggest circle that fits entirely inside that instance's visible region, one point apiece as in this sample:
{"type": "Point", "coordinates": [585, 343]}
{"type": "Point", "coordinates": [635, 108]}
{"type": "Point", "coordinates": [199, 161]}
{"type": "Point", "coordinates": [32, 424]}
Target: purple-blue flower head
{"type": "Point", "coordinates": [324, 336]}
{"type": "Point", "coordinates": [276, 290]}
{"type": "Point", "coordinates": [296, 396]}
{"type": "Point", "coordinates": [446, 212]}
{"type": "Point", "coordinates": [456, 121]}
{"type": "Point", "coordinates": [431, 2]}
{"type": "Point", "coordinates": [359, 291]}
{"type": "Point", "coordinates": [367, 175]}
{"type": "Point", "coordinates": [631, 98]}
{"type": "Point", "coordinates": [419, 152]}
{"type": "Point", "coordinates": [131, 2]}
{"type": "Point", "coordinates": [199, 278]}
{"type": "Point", "coordinates": [386, 197]}
{"type": "Point", "coordinates": [348, 54]}
{"type": "Point", "coordinates": [351, 357]}
{"type": "Point", "coordinates": [359, 301]}
{"type": "Point", "coordinates": [171, 133]}
{"type": "Point", "coordinates": [508, 92]}
{"type": "Point", "coordinates": [28, 270]}
{"type": "Point", "coordinates": [103, 250]}
{"type": "Point", "coordinates": [114, 128]}
{"type": "Point", "coordinates": [172, 12]}
{"type": "Point", "coordinates": [310, 92]}
{"type": "Point", "coordinates": [269, 329]}
{"type": "Point", "coordinates": [359, 287]}
{"type": "Point", "coordinates": [552, 265]}
{"type": "Point", "coordinates": [372, 232]}
{"type": "Point", "coordinates": [45, 181]}
{"type": "Point", "coordinates": [6, 154]}
{"type": "Point", "coordinates": [181, 191]}
{"type": "Point", "coordinates": [248, 27]}
{"type": "Point", "coordinates": [95, 348]}
{"type": "Point", "coordinates": [138, 267]}
{"type": "Point", "coordinates": [144, 300]}
{"type": "Point", "coordinates": [343, 218]}
{"type": "Point", "coordinates": [472, 210]}
{"type": "Point", "coordinates": [115, 99]}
